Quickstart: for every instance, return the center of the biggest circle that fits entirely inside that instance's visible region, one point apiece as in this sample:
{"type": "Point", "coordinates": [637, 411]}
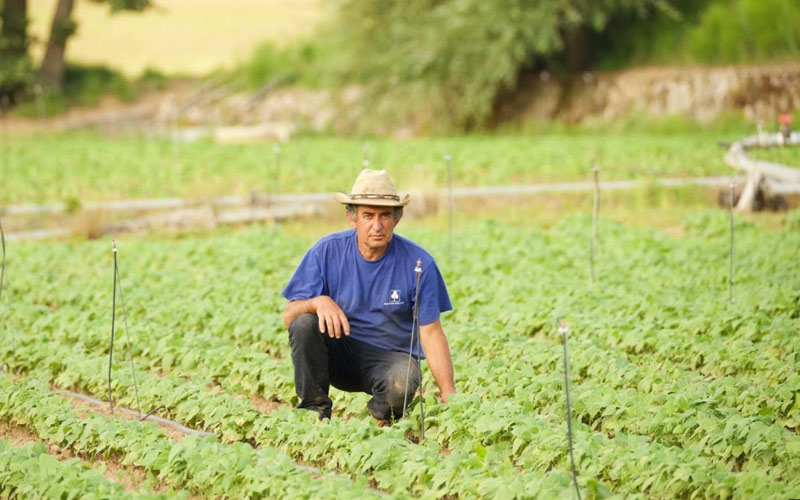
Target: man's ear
{"type": "Point", "coordinates": [350, 219]}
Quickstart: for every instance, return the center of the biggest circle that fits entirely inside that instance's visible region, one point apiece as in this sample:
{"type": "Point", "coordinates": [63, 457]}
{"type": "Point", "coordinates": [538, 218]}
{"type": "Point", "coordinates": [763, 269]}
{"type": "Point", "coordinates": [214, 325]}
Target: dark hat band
{"type": "Point", "coordinates": [374, 197]}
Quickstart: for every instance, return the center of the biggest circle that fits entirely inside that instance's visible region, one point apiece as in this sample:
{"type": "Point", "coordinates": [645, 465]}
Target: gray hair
{"type": "Point", "coordinates": [397, 212]}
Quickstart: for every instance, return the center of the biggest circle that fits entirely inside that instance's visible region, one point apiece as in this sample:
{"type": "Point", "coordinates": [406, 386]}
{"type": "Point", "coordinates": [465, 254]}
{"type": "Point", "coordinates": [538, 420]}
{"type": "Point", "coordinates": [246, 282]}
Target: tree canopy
{"type": "Point", "coordinates": [16, 70]}
{"type": "Point", "coordinates": [463, 53]}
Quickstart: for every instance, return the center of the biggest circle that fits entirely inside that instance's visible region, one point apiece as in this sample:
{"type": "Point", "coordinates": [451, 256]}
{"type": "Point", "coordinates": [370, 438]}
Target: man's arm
{"type": "Point", "coordinates": [434, 343]}
{"type": "Point", "coordinates": [331, 317]}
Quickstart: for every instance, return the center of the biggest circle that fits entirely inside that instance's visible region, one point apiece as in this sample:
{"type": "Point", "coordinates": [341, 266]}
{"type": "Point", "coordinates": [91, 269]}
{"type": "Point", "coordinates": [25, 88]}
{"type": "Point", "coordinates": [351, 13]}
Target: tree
{"type": "Point", "coordinates": [15, 64]}
{"type": "Point", "coordinates": [64, 26]}
{"type": "Point", "coordinates": [461, 54]}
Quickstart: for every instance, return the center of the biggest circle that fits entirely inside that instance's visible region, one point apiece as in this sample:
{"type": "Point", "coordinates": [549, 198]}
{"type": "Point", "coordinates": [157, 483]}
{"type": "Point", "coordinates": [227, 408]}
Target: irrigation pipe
{"type": "Point", "coordinates": [133, 413]}
{"type": "Point", "coordinates": [175, 425]}
{"type": "Point", "coordinates": [154, 418]}
{"type": "Point", "coordinates": [229, 201]}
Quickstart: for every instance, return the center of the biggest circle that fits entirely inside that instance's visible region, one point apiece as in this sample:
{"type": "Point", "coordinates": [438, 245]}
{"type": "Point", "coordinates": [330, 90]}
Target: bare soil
{"type": "Point", "coordinates": [131, 478]}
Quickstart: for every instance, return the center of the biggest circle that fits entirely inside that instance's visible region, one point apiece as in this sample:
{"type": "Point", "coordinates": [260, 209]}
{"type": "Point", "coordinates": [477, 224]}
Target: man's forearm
{"type": "Point", "coordinates": [297, 307]}
{"type": "Point", "coordinates": [437, 351]}
{"type": "Point", "coordinates": [332, 319]}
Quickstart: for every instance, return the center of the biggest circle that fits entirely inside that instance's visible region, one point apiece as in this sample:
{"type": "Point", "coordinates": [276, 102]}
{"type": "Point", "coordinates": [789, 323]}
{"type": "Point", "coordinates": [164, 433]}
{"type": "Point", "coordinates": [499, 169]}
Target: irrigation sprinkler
{"type": "Point", "coordinates": [415, 333]}
{"type": "Point", "coordinates": [564, 330]}
{"type": "Point", "coordinates": [365, 151]}
{"type": "Point", "coordinates": [118, 283]}
{"type": "Point", "coordinates": [595, 212]}
{"type": "Point", "coordinates": [730, 270]}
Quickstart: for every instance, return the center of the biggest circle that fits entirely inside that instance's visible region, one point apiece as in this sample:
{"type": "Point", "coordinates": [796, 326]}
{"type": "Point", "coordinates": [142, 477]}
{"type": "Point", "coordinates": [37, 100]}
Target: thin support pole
{"type": "Point", "coordinates": [730, 270]}
{"type": "Point", "coordinates": [128, 338]}
{"type": "Point", "coordinates": [276, 148]}
{"type": "Point", "coordinates": [113, 325]}
{"type": "Point", "coordinates": [176, 153]}
{"type": "Point", "coordinates": [564, 329]}
{"type": "Point", "coordinates": [3, 267]}
{"type": "Point", "coordinates": [450, 207]}
{"type": "Point", "coordinates": [595, 213]}
{"type": "Point", "coordinates": [365, 151]}
{"type": "Point", "coordinates": [415, 332]}
{"type": "Point", "coordinates": [6, 147]}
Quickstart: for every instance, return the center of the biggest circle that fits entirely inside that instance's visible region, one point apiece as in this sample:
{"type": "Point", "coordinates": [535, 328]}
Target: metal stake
{"type": "Point", "coordinates": [594, 221]}
{"type": "Point", "coordinates": [118, 282]}
{"type": "Point", "coordinates": [730, 271]}
{"type": "Point", "coordinates": [564, 329]}
{"type": "Point", "coordinates": [6, 148]}
{"type": "Point", "coordinates": [3, 267]}
{"type": "Point", "coordinates": [414, 331]}
{"type": "Point", "coordinates": [365, 150]}
{"type": "Point", "coordinates": [450, 207]}
{"type": "Point", "coordinates": [276, 148]}
{"type": "Point", "coordinates": [113, 325]}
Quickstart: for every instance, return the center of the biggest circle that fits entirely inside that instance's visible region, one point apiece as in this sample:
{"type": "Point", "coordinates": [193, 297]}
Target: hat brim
{"type": "Point", "coordinates": [345, 199]}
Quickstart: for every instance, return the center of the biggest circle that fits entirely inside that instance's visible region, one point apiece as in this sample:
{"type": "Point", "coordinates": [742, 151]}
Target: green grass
{"type": "Point", "coordinates": [89, 167]}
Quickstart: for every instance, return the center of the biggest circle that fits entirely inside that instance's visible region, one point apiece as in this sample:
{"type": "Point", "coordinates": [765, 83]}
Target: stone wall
{"type": "Point", "coordinates": [760, 92]}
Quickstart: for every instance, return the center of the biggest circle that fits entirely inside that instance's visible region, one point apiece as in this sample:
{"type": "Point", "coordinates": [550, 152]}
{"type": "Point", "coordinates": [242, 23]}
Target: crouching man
{"type": "Point", "coordinates": [351, 305]}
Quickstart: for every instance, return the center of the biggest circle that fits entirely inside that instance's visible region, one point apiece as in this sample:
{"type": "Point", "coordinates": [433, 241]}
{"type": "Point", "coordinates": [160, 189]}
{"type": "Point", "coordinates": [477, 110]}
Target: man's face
{"type": "Point", "coordinates": [374, 226]}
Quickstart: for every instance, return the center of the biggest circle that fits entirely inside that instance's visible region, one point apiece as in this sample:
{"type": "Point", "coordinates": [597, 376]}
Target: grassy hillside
{"type": "Point", "coordinates": [201, 35]}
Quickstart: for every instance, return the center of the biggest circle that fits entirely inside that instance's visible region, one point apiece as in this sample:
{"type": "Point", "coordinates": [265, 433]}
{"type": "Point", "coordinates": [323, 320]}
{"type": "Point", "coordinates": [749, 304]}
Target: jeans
{"type": "Point", "coordinates": [350, 365]}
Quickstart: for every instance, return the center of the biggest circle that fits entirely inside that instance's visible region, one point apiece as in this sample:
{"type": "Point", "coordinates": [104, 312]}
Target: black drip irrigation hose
{"type": "Point", "coordinates": [564, 329]}
{"type": "Point", "coordinates": [150, 416]}
{"type": "Point", "coordinates": [414, 332]}
{"type": "Point", "coordinates": [154, 418]}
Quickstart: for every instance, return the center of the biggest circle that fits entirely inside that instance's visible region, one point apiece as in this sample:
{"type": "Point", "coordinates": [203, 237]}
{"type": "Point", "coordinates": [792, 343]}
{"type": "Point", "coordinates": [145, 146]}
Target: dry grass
{"type": "Point", "coordinates": [178, 36]}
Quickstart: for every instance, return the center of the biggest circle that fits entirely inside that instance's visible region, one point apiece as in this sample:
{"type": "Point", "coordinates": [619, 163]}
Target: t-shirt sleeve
{"type": "Point", "coordinates": [433, 296]}
{"type": "Point", "coordinates": [307, 281]}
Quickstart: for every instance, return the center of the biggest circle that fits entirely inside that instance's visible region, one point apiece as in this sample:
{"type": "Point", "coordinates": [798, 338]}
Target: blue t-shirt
{"type": "Point", "coordinates": [376, 296]}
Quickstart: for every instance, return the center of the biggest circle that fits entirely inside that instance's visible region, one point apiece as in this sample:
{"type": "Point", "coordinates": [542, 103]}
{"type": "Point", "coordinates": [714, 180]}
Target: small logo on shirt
{"type": "Point", "coordinates": [394, 298]}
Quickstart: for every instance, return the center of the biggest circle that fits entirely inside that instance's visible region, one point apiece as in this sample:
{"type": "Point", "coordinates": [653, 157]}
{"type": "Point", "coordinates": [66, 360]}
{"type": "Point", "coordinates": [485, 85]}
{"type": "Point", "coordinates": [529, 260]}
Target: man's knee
{"type": "Point", "coordinates": [304, 328]}
{"type": "Point", "coordinates": [401, 383]}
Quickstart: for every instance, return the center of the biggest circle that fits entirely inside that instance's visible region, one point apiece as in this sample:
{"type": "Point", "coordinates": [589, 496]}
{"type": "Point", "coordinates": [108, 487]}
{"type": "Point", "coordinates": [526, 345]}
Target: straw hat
{"type": "Point", "coordinates": [373, 187]}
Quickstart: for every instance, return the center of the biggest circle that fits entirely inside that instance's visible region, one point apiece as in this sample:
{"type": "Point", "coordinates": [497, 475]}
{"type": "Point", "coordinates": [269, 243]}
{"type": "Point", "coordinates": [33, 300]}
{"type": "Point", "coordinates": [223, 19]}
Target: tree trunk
{"type": "Point", "coordinates": [62, 28]}
{"type": "Point", "coordinates": [14, 61]}
{"type": "Point", "coordinates": [577, 51]}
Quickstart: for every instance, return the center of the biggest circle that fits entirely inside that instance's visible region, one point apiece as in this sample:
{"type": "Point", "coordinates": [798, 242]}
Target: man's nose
{"type": "Point", "coordinates": [376, 224]}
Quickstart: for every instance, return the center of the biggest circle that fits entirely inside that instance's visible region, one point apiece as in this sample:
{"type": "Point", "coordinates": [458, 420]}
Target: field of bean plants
{"type": "Point", "coordinates": [681, 386]}
{"type": "Point", "coordinates": [74, 167]}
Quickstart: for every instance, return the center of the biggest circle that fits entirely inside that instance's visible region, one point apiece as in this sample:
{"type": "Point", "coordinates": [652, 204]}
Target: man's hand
{"type": "Point", "coordinates": [331, 317]}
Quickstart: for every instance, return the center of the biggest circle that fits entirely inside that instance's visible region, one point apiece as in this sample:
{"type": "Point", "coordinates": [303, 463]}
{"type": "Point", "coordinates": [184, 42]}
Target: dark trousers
{"type": "Point", "coordinates": [350, 365]}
